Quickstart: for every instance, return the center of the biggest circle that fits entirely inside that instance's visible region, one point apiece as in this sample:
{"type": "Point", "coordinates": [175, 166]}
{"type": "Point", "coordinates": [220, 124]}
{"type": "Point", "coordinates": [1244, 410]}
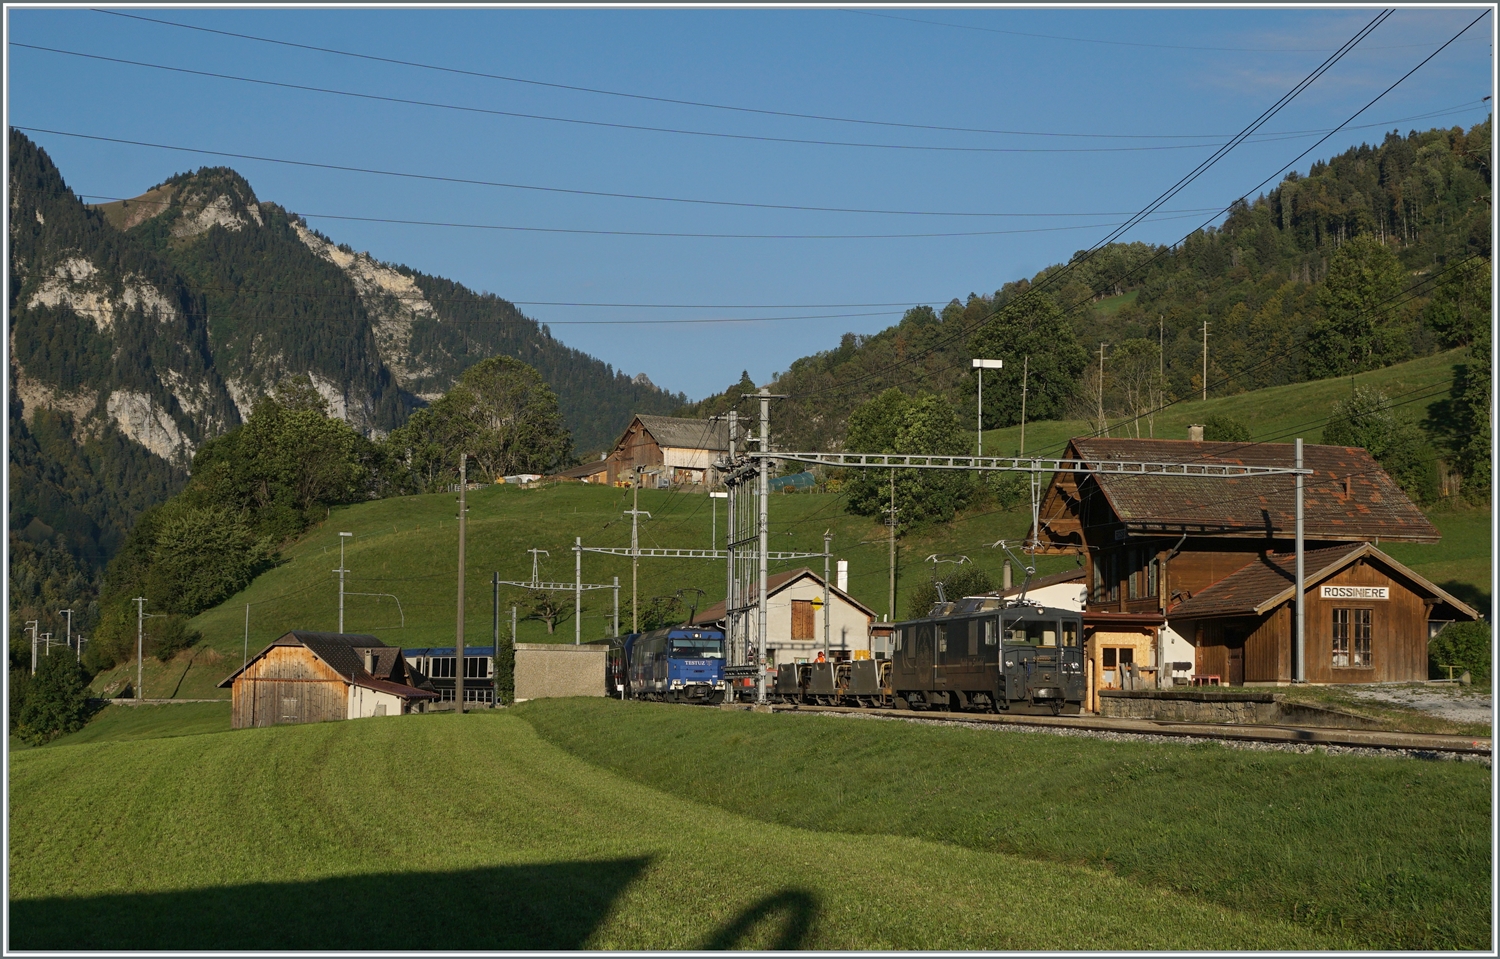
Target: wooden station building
{"type": "Point", "coordinates": [1194, 576]}
{"type": "Point", "coordinates": [307, 677]}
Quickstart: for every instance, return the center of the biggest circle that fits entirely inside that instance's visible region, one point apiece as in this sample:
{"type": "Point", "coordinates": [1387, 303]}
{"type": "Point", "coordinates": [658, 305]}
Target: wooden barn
{"type": "Point", "coordinates": [1191, 576]}
{"type": "Point", "coordinates": [306, 677]}
{"type": "Point", "coordinates": [682, 450]}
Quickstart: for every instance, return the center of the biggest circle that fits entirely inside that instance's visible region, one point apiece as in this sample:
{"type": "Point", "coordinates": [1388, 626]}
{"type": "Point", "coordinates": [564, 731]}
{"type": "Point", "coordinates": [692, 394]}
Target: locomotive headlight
{"type": "Point", "coordinates": [1009, 663]}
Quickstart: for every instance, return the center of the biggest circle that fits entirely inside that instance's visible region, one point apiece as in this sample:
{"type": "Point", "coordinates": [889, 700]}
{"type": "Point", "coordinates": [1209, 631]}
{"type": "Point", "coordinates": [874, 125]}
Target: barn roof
{"type": "Point", "coordinates": [1348, 496]}
{"type": "Point", "coordinates": [344, 653]}
{"type": "Point", "coordinates": [685, 433]}
{"type": "Point", "coordinates": [775, 584]}
{"type": "Point", "coordinates": [1271, 580]}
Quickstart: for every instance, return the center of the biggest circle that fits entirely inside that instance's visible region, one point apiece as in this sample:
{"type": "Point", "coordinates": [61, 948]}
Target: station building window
{"type": "Point", "coordinates": [1352, 629]}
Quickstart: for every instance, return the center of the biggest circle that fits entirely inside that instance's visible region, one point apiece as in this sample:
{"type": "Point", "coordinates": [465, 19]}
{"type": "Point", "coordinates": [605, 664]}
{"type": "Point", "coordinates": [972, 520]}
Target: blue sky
{"type": "Point", "coordinates": [1128, 78]}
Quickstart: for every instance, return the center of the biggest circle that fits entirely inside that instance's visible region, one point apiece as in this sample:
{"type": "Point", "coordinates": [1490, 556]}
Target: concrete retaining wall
{"type": "Point", "coordinates": [548, 670]}
{"type": "Point", "coordinates": [1237, 706]}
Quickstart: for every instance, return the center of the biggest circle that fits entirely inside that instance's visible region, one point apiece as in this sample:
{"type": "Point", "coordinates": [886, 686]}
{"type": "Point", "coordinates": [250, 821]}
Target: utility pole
{"type": "Point", "coordinates": [891, 522]}
{"type": "Point", "coordinates": [33, 624]}
{"type": "Point", "coordinates": [1025, 369]}
{"type": "Point", "coordinates": [1205, 359]}
{"type": "Point", "coordinates": [635, 513]}
{"type": "Point", "coordinates": [140, 623]}
{"type": "Point", "coordinates": [69, 634]}
{"type": "Point", "coordinates": [1103, 428]}
{"type": "Point", "coordinates": [458, 652]}
{"type": "Point", "coordinates": [495, 651]}
{"type": "Point", "coordinates": [1301, 676]}
{"type": "Point", "coordinates": [734, 650]}
{"type": "Point", "coordinates": [827, 556]}
{"type": "Point", "coordinates": [577, 590]}
{"type": "Point", "coordinates": [245, 659]}
{"type": "Point", "coordinates": [765, 540]}
{"type": "Point", "coordinates": [617, 606]}
{"type": "Point", "coordinates": [343, 538]}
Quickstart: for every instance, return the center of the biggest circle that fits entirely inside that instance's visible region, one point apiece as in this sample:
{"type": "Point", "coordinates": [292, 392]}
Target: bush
{"type": "Point", "coordinates": [56, 703]}
{"type": "Point", "coordinates": [170, 635]}
{"type": "Point", "coordinates": [1465, 646]}
{"type": "Point", "coordinates": [20, 688]}
{"type": "Point", "coordinates": [1225, 429]}
{"type": "Point", "coordinates": [967, 580]}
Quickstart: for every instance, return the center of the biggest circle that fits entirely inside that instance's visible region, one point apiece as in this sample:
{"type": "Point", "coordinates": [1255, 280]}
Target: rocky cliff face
{"type": "Point", "coordinates": [158, 322]}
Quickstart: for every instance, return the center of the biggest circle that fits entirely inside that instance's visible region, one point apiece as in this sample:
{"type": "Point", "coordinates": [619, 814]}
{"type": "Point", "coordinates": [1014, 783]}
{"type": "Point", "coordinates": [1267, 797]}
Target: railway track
{"type": "Point", "coordinates": [1282, 735]}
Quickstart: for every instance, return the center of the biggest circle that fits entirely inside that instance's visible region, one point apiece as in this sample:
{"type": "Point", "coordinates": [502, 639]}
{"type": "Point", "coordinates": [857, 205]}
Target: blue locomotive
{"type": "Point", "coordinates": [677, 665]}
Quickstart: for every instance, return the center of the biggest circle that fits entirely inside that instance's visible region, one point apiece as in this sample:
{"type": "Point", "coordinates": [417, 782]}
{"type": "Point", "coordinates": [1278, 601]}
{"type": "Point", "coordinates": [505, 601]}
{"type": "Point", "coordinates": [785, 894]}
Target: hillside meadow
{"type": "Point", "coordinates": [475, 832]}
{"type": "Point", "coordinates": [403, 557]}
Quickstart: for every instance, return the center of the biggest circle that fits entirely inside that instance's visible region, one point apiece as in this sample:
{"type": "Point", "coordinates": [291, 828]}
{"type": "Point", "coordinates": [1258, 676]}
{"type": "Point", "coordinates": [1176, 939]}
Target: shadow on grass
{"type": "Point", "coordinates": [548, 906]}
{"type": "Point", "coordinates": [1471, 594]}
{"type": "Point", "coordinates": [795, 909]}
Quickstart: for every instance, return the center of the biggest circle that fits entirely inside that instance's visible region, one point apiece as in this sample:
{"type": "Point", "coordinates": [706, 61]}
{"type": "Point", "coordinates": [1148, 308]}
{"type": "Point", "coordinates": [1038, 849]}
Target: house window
{"type": "Point", "coordinates": [1153, 576]}
{"type": "Point", "coordinates": [802, 619]}
{"type": "Point", "coordinates": [1352, 629]}
{"type": "Point", "coordinates": [1112, 576]}
{"type": "Point", "coordinates": [1097, 567]}
{"type": "Point", "coordinates": [1132, 568]}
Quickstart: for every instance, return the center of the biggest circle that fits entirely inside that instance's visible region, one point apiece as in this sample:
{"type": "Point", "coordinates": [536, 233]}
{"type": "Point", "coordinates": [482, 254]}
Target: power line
{"type": "Point", "coordinates": [1120, 43]}
{"type": "Point", "coordinates": [467, 181]}
{"type": "Point", "coordinates": [1181, 184]}
{"type": "Point", "coordinates": [354, 94]}
{"type": "Point", "coordinates": [604, 123]}
{"type": "Point", "coordinates": [1054, 276]}
{"type": "Point", "coordinates": [640, 96]}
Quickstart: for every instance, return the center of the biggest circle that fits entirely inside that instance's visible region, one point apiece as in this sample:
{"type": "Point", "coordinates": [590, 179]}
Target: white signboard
{"type": "Point", "coordinates": [1356, 592]}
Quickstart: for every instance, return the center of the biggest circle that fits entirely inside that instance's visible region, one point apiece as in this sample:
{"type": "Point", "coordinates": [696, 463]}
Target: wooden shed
{"type": "Point", "coordinates": [1184, 568]}
{"type": "Point", "coordinates": [307, 677]}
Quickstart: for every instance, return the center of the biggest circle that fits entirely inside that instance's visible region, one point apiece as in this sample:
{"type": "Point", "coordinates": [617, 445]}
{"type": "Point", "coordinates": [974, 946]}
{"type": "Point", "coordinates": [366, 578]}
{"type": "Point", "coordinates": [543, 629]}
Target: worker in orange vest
{"type": "Point", "coordinates": [821, 657]}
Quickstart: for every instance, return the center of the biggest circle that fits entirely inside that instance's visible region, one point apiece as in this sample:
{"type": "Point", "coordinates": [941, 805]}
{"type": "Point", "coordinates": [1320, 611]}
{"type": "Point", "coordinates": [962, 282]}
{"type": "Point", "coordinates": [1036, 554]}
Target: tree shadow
{"type": "Point", "coordinates": [1471, 594]}
{"type": "Point", "coordinates": [796, 909]}
{"type": "Point", "coordinates": [550, 906]}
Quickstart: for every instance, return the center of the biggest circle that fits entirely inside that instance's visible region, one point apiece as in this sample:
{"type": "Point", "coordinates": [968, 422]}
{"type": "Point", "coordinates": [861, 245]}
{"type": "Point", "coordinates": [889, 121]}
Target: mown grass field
{"type": "Point", "coordinates": [474, 832]}
{"type": "Point", "coordinates": [406, 549]}
{"type": "Point", "coordinates": [1381, 852]}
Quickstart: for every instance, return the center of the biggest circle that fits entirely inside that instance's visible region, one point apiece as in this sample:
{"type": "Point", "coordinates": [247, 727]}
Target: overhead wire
{"type": "Point", "coordinates": [1034, 289]}
{"type": "Point", "coordinates": [645, 97]}
{"type": "Point", "coordinates": [431, 104]}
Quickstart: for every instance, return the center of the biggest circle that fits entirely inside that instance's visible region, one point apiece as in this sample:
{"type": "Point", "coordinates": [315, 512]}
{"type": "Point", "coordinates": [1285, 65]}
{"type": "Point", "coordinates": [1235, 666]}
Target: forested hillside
{"type": "Point", "coordinates": [1375, 256]}
{"type": "Point", "coordinates": [142, 329]}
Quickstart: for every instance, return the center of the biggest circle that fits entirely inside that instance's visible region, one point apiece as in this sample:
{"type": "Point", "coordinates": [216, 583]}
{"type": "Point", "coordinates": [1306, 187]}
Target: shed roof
{"type": "Point", "coordinates": [1347, 497]}
{"type": "Point", "coordinates": [686, 433]}
{"type": "Point", "coordinates": [1051, 579]}
{"type": "Point", "coordinates": [1270, 581]}
{"type": "Point", "coordinates": [775, 584]}
{"type": "Point", "coordinates": [344, 654]}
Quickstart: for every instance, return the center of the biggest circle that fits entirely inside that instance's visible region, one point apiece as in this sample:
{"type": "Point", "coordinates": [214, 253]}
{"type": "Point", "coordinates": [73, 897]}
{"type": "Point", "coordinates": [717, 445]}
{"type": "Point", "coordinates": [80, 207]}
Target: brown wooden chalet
{"type": "Point", "coordinates": [307, 677]}
{"type": "Point", "coordinates": [681, 451]}
{"type": "Point", "coordinates": [1190, 576]}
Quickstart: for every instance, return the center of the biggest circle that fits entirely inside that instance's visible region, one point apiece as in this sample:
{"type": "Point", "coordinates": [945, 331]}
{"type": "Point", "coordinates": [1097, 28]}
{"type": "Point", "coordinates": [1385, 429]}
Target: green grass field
{"type": "Point", "coordinates": [1389, 853]}
{"type": "Point", "coordinates": [1280, 413]}
{"type": "Point", "coordinates": [474, 832]}
{"type": "Point", "coordinates": [404, 554]}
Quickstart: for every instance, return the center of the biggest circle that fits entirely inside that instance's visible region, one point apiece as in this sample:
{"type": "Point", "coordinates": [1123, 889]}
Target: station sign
{"type": "Point", "coordinates": [1356, 592]}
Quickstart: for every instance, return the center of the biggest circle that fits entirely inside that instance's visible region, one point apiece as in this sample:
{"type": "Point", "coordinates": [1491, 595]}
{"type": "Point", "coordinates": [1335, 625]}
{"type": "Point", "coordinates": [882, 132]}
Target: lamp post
{"type": "Point", "coordinates": [713, 498]}
{"type": "Point", "coordinates": [980, 366]}
{"type": "Point", "coordinates": [343, 537]}
{"type": "Point", "coordinates": [69, 613]}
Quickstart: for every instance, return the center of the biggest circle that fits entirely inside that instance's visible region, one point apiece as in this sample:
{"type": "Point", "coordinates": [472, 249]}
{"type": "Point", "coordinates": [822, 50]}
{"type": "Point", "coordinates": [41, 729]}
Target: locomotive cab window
{"type": "Point", "coordinates": [991, 632]}
{"type": "Point", "coordinates": [1034, 632]}
{"type": "Point", "coordinates": [1070, 633]}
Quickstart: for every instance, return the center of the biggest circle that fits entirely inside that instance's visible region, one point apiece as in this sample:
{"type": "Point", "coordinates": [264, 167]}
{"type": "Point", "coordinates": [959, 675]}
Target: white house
{"type": "Point", "coordinates": [795, 619]}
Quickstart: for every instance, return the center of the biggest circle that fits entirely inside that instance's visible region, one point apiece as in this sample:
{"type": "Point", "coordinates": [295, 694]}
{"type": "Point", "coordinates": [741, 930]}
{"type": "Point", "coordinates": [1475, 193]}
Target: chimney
{"type": "Point", "coordinates": [1005, 575]}
{"type": "Point", "coordinates": [370, 661]}
{"type": "Point", "coordinates": [1195, 433]}
{"type": "Point", "coordinates": [843, 575]}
